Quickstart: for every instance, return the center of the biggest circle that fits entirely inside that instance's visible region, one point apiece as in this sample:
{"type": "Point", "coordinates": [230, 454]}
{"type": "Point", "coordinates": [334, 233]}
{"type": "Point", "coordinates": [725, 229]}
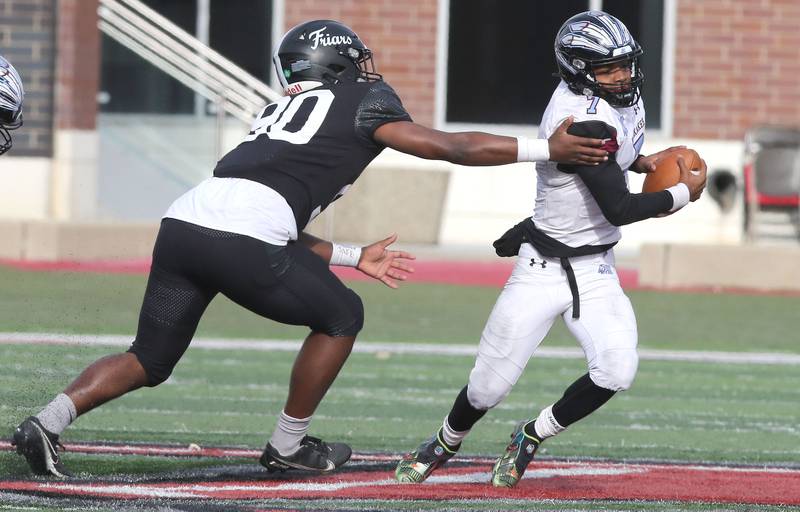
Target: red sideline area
{"type": "Point", "coordinates": [552, 481]}
{"type": "Point", "coordinates": [544, 480]}
{"type": "Point", "coordinates": [469, 273]}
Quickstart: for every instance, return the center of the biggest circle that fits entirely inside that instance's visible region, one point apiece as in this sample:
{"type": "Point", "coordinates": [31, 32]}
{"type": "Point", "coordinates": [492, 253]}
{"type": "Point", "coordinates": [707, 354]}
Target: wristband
{"type": "Point", "coordinates": [532, 150]}
{"type": "Point", "coordinates": [680, 196]}
{"type": "Point", "coordinates": [345, 255]}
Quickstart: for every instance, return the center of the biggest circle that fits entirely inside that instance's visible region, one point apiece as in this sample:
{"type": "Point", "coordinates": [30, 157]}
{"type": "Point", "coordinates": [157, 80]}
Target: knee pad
{"type": "Point", "coordinates": [486, 389]}
{"type": "Point", "coordinates": [358, 312]}
{"type": "Point", "coordinates": [351, 324]}
{"type": "Point", "coordinates": [615, 369]}
{"type": "Point", "coordinates": [156, 372]}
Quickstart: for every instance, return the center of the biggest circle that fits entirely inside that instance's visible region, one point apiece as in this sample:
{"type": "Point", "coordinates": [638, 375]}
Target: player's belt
{"type": "Point", "coordinates": [526, 231]}
{"type": "Point", "coordinates": [573, 286]}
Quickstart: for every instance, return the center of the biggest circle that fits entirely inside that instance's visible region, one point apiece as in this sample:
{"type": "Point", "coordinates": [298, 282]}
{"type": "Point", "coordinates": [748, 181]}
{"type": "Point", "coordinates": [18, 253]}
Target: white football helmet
{"type": "Point", "coordinates": [11, 98]}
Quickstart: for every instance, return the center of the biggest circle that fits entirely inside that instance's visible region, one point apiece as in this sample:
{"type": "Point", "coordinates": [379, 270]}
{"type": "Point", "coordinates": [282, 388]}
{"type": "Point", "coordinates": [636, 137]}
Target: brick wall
{"type": "Point", "coordinates": [27, 34]}
{"type": "Point", "coordinates": [737, 64]}
{"type": "Point", "coordinates": [78, 66]}
{"type": "Point", "coordinates": [737, 61]}
{"type": "Point", "coordinates": [402, 36]}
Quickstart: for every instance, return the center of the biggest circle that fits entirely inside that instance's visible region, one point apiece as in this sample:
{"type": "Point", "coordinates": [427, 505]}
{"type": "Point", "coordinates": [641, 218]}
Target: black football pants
{"type": "Point", "coordinates": [191, 264]}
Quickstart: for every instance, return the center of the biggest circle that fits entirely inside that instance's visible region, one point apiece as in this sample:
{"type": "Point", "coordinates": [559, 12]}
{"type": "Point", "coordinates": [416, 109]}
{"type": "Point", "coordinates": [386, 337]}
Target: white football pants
{"type": "Point", "coordinates": [527, 307]}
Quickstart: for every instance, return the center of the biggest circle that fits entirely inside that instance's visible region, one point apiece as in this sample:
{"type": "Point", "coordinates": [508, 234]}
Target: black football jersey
{"type": "Point", "coordinates": [311, 147]}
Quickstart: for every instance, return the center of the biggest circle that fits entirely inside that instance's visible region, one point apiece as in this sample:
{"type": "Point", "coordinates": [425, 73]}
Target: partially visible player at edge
{"type": "Point", "coordinates": [12, 96]}
{"type": "Point", "coordinates": [566, 261]}
{"type": "Point", "coordinates": [240, 233]}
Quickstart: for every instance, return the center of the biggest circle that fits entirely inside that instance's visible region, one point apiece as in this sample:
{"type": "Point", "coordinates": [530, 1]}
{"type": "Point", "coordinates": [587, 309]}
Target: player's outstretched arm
{"type": "Point", "coordinates": [479, 148]}
{"type": "Point", "coordinates": [375, 260]}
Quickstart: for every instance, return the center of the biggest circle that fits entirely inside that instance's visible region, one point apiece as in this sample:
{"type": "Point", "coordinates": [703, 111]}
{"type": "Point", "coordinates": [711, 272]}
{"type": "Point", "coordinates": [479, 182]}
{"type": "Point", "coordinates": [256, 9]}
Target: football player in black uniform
{"type": "Point", "coordinates": [11, 98]}
{"type": "Point", "coordinates": [240, 233]}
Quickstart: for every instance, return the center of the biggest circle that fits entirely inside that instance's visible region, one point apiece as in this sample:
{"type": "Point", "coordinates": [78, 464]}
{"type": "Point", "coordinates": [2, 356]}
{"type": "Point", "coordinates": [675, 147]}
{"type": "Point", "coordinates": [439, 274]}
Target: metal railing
{"type": "Point", "coordinates": [182, 56]}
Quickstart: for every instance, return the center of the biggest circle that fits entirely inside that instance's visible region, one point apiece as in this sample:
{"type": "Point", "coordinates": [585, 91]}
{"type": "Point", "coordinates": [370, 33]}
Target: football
{"type": "Point", "coordinates": [668, 173]}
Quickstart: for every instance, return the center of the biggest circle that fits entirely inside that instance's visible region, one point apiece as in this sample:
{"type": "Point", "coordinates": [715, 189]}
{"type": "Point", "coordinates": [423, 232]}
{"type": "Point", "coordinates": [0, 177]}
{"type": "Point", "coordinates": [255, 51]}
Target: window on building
{"type": "Point", "coordinates": [500, 62]}
{"type": "Point", "coordinates": [131, 84]}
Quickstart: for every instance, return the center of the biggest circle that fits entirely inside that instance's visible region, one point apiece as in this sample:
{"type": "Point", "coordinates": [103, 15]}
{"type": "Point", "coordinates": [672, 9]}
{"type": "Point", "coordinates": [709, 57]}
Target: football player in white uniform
{"type": "Point", "coordinates": [566, 261]}
{"type": "Point", "coordinates": [11, 98]}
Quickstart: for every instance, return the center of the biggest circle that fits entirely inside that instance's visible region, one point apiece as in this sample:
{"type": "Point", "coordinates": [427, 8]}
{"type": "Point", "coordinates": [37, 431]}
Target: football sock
{"type": "Point", "coordinates": [288, 433]}
{"type": "Point", "coordinates": [582, 398]}
{"type": "Point", "coordinates": [58, 414]}
{"type": "Point", "coordinates": [463, 415]}
{"type": "Point", "coordinates": [452, 438]}
{"type": "Point", "coordinates": [544, 426]}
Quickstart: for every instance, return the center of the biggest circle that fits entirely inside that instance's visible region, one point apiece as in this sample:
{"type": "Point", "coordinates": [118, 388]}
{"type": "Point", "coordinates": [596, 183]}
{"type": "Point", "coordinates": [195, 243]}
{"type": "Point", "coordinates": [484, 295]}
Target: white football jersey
{"type": "Point", "coordinates": [238, 206]}
{"type": "Point", "coordinates": [565, 209]}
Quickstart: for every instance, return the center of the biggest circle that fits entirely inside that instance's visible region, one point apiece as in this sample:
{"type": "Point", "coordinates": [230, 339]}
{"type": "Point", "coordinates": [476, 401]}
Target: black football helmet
{"type": "Point", "coordinates": [591, 39]}
{"type": "Point", "coordinates": [11, 97]}
{"type": "Point", "coordinates": [322, 51]}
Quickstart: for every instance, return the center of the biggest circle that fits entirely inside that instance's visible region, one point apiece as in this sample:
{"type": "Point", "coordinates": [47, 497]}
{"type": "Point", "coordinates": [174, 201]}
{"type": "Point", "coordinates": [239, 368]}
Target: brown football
{"type": "Point", "coordinates": [668, 173]}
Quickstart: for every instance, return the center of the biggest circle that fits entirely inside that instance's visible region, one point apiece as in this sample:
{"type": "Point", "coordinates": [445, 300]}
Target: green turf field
{"type": "Point", "coordinates": [107, 303]}
{"type": "Point", "coordinates": [676, 411]}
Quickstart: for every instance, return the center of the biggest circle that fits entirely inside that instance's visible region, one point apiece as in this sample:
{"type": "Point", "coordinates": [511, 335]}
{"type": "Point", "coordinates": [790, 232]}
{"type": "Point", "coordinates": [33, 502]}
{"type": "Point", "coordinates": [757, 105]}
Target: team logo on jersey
{"type": "Point", "coordinates": [638, 127]}
{"type": "Point", "coordinates": [543, 263]}
{"type": "Point", "coordinates": [319, 38]}
{"type": "Point", "coordinates": [605, 269]}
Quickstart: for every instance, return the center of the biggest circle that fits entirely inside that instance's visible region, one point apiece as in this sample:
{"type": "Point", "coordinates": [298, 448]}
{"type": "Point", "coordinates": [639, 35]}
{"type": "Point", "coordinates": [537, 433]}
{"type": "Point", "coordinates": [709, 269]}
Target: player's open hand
{"type": "Point", "coordinates": [384, 265]}
{"type": "Point", "coordinates": [571, 149]}
{"type": "Point", "coordinates": [695, 179]}
{"type": "Point", "coordinates": [646, 164]}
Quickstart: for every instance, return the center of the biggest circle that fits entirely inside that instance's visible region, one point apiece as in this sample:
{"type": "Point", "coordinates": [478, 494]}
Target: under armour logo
{"type": "Point", "coordinates": [543, 263]}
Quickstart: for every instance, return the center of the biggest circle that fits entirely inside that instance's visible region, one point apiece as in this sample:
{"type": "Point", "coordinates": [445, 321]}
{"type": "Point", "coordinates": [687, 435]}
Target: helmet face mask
{"type": "Point", "coordinates": [322, 51]}
{"type": "Point", "coordinates": [5, 140]}
{"type": "Point", "coordinates": [619, 94]}
{"type": "Point", "coordinates": [591, 40]}
{"type": "Point", "coordinates": [11, 98]}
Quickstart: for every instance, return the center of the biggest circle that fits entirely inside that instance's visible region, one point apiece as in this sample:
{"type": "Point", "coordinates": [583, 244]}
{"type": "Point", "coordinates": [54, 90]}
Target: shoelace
{"type": "Point", "coordinates": [316, 444]}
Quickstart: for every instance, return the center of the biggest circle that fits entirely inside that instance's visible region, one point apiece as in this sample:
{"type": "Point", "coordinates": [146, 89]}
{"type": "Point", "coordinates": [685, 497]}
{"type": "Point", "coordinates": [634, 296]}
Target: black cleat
{"type": "Point", "coordinates": [39, 447]}
{"type": "Point", "coordinates": [314, 455]}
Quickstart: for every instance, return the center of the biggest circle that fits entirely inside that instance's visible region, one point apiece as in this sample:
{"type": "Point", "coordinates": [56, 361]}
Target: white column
{"type": "Point", "coordinates": [75, 174]}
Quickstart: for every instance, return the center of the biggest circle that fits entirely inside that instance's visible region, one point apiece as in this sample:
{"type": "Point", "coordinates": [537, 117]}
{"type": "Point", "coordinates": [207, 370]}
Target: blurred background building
{"type": "Point", "coordinates": [129, 103]}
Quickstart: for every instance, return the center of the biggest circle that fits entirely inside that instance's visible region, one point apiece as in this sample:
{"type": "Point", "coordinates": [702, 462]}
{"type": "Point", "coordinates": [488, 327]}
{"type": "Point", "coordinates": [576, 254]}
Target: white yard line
{"type": "Point", "coordinates": [267, 345]}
